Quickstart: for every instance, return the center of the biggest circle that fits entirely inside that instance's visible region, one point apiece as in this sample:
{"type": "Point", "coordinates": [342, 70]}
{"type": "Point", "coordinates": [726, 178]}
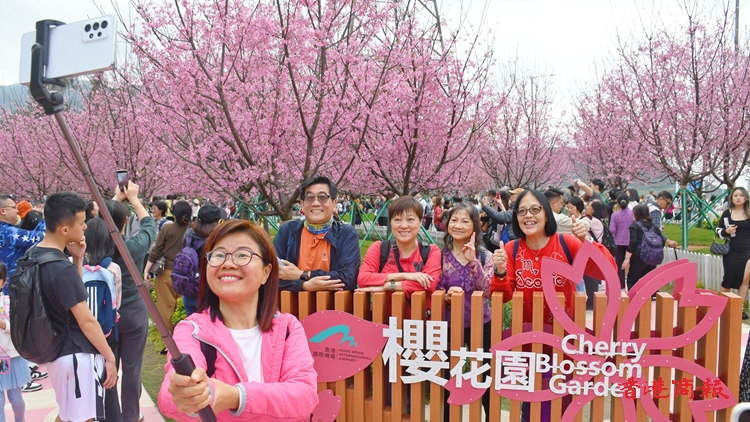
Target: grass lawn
{"type": "Point", "coordinates": [699, 240]}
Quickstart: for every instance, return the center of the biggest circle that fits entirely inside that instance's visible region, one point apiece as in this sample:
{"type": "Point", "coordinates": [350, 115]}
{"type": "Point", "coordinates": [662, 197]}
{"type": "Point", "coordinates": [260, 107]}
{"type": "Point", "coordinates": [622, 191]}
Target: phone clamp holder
{"type": "Point", "coordinates": [52, 102]}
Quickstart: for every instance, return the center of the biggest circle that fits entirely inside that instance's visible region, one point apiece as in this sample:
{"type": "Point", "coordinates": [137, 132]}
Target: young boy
{"type": "Point", "coordinates": [77, 373]}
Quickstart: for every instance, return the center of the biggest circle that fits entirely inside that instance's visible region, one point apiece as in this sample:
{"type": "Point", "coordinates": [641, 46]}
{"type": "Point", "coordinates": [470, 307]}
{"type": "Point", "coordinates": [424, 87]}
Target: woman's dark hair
{"type": "Point", "coordinates": [119, 213]}
{"type": "Point", "coordinates": [268, 293]}
{"type": "Point", "coordinates": [99, 243]}
{"type": "Point", "coordinates": [3, 272]}
{"type": "Point", "coordinates": [622, 200]}
{"type": "Point", "coordinates": [31, 220]}
{"type": "Point", "coordinates": [576, 202]}
{"type": "Point", "coordinates": [90, 210]}
{"type": "Point", "coordinates": [404, 204]}
{"type": "Point", "coordinates": [182, 212]}
{"type": "Point", "coordinates": [600, 211]}
{"type": "Point", "coordinates": [641, 213]}
{"type": "Point", "coordinates": [633, 195]}
{"type": "Point", "coordinates": [613, 194]}
{"type": "Point", "coordinates": [161, 205]}
{"type": "Point", "coordinates": [202, 229]}
{"type": "Point", "coordinates": [438, 201]}
{"type": "Point", "coordinates": [550, 227]}
{"type": "Point", "coordinates": [474, 217]}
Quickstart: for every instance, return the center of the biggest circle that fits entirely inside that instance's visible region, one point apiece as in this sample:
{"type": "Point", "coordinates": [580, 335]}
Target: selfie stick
{"type": "Point", "coordinates": [53, 103]}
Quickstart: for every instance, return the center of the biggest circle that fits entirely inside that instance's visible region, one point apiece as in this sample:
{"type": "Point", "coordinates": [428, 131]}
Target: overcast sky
{"type": "Point", "coordinates": [567, 38]}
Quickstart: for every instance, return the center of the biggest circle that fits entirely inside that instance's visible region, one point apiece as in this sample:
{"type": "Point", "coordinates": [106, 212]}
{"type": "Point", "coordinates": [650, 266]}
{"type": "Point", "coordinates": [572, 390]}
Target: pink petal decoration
{"type": "Point", "coordinates": [467, 394]}
{"type": "Point", "coordinates": [328, 407]}
{"type": "Point", "coordinates": [342, 345]}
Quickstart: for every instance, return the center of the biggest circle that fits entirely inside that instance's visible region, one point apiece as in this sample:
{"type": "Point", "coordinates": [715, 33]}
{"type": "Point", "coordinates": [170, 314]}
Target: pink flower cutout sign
{"type": "Point", "coordinates": [342, 345]}
{"type": "Point", "coordinates": [587, 370]}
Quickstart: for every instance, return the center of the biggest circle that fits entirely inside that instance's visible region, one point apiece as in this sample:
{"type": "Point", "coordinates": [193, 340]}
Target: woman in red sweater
{"type": "Point", "coordinates": [404, 269]}
{"type": "Point", "coordinates": [537, 238]}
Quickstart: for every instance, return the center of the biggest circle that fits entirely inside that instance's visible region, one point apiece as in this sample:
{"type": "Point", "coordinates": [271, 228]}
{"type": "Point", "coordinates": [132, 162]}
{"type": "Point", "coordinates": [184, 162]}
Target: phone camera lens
{"type": "Point", "coordinates": [87, 28]}
{"type": "Point", "coordinates": [99, 34]}
{"type": "Point", "coordinates": [104, 24]}
{"type": "Point", "coordinates": [96, 26]}
{"type": "Point", "coordinates": [91, 36]}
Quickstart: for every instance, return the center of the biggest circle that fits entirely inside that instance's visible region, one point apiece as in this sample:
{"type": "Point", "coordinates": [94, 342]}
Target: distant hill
{"type": "Point", "coordinates": [11, 93]}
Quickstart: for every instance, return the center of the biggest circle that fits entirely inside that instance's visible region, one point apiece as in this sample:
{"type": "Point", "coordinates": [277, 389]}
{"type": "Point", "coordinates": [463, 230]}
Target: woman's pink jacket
{"type": "Point", "coordinates": [289, 390]}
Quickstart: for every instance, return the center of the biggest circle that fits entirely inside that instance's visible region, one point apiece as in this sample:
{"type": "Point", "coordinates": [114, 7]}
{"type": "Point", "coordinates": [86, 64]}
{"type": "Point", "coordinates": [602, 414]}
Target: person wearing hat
{"type": "Point", "coordinates": [23, 208]}
{"type": "Point", "coordinates": [208, 218]}
{"type": "Point", "coordinates": [14, 241]}
{"type": "Point", "coordinates": [319, 253]}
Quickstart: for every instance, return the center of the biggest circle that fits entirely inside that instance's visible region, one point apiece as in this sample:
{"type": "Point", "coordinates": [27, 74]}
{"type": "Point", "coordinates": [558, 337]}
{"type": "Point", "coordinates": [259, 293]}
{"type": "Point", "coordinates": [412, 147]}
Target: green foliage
{"type": "Point", "coordinates": [179, 312]}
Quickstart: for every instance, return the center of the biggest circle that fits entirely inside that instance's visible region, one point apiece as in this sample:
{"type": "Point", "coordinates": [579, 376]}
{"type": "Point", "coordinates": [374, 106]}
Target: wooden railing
{"type": "Point", "coordinates": [364, 397]}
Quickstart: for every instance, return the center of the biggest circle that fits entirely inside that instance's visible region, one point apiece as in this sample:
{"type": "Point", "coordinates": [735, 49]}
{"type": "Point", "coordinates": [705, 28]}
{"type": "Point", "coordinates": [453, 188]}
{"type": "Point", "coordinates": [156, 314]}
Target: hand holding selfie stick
{"type": "Point", "coordinates": [53, 103]}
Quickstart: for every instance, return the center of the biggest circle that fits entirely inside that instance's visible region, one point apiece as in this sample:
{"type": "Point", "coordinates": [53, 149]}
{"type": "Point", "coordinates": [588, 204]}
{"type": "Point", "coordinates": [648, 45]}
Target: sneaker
{"type": "Point", "coordinates": [30, 387]}
{"type": "Point", "coordinates": [37, 375]}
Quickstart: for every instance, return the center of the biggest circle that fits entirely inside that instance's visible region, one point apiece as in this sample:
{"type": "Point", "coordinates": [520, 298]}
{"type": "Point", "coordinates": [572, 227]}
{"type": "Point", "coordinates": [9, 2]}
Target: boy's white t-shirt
{"type": "Point", "coordinates": [249, 344]}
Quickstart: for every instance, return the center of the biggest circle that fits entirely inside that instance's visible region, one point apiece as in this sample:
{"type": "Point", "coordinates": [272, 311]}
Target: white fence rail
{"type": "Point", "coordinates": [710, 268]}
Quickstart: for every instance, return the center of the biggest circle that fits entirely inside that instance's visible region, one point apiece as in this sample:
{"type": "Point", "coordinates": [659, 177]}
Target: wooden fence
{"type": "Point", "coordinates": [364, 396]}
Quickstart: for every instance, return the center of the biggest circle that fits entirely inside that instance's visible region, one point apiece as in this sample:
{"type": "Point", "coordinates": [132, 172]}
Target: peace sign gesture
{"type": "Point", "coordinates": [469, 250]}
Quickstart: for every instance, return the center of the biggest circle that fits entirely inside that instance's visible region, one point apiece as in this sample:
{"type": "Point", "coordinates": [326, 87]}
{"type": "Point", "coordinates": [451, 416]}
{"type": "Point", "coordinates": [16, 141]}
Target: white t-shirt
{"type": "Point", "coordinates": [249, 344]}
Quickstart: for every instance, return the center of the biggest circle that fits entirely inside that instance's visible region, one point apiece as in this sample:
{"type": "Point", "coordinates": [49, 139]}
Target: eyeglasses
{"type": "Point", "coordinates": [240, 257]}
{"type": "Point", "coordinates": [322, 199]}
{"type": "Point", "coordinates": [536, 209]}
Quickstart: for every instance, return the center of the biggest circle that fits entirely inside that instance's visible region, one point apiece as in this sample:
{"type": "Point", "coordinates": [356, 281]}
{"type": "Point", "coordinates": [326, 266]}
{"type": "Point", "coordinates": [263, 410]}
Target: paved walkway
{"type": "Point", "coordinates": [42, 407]}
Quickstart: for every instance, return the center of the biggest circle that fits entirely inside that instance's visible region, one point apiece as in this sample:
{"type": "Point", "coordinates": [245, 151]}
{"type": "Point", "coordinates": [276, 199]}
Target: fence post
{"type": "Point", "coordinates": [730, 331]}
{"type": "Point", "coordinates": [437, 392]}
{"type": "Point", "coordinates": [457, 341]}
{"type": "Point", "coordinates": [497, 336]}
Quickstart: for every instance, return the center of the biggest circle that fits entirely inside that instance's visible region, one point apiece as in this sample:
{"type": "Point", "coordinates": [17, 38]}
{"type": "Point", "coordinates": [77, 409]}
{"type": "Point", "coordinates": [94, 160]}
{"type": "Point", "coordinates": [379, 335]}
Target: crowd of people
{"type": "Point", "coordinates": [251, 359]}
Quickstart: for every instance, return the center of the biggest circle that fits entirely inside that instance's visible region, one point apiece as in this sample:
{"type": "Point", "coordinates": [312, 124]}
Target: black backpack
{"type": "Point", "coordinates": [385, 245]}
{"type": "Point", "coordinates": [32, 332]}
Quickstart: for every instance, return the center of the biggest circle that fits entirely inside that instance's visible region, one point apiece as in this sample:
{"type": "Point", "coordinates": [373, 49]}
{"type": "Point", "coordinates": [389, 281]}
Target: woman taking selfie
{"type": "Point", "coordinates": [262, 368]}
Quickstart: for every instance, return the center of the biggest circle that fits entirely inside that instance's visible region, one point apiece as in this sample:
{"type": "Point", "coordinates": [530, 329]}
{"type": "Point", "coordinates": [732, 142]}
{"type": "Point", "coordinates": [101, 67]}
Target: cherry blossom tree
{"type": "Point", "coordinates": [526, 147]}
{"type": "Point", "coordinates": [681, 93]}
{"type": "Point", "coordinates": [258, 96]}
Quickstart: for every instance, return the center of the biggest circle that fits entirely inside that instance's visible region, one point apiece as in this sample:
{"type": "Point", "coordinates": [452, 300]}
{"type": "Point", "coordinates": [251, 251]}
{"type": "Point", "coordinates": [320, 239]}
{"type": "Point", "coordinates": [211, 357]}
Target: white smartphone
{"type": "Point", "coordinates": [74, 49]}
{"type": "Point", "coordinates": [740, 413]}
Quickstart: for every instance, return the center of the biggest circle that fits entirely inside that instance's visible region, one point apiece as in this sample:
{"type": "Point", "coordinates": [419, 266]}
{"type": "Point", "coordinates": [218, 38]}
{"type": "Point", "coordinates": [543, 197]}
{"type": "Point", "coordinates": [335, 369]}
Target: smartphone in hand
{"type": "Point", "coordinates": [122, 179]}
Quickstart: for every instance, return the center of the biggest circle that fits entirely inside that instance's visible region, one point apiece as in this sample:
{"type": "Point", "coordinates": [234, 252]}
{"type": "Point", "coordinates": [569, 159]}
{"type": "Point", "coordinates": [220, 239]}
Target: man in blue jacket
{"type": "Point", "coordinates": [318, 253]}
{"type": "Point", "coordinates": [14, 241]}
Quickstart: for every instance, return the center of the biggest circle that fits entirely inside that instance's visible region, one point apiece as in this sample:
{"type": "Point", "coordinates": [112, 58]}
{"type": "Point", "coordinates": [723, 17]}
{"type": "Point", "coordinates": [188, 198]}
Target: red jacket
{"type": "Point", "coordinates": [369, 275]}
{"type": "Point", "coordinates": [524, 274]}
{"type": "Point", "coordinates": [289, 391]}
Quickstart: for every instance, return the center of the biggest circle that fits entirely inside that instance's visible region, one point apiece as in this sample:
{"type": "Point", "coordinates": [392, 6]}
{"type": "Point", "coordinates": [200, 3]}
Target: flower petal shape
{"type": "Point", "coordinates": [683, 272]}
{"type": "Point", "coordinates": [328, 407]}
{"type": "Point", "coordinates": [342, 345]}
{"type": "Point", "coordinates": [552, 268]}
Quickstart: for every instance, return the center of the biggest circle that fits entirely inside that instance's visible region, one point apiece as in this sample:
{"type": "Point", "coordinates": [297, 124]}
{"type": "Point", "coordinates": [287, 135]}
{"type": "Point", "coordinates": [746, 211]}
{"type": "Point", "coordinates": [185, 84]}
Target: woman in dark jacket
{"type": "Point", "coordinates": [633, 263]}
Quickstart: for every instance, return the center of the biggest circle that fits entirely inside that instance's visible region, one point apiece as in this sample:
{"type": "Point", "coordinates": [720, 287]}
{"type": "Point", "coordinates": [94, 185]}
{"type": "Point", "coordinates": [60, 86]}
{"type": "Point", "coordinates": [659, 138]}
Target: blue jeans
{"type": "Point", "coordinates": [190, 303]}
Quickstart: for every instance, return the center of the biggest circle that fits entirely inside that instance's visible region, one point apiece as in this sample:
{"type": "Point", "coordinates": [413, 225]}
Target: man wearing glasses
{"type": "Point", "coordinates": [14, 241]}
{"type": "Point", "coordinates": [318, 253]}
{"type": "Point", "coordinates": [663, 201]}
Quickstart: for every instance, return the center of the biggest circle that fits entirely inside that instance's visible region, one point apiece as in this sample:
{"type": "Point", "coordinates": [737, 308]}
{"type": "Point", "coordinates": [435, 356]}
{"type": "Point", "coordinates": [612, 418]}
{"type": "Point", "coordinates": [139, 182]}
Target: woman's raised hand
{"type": "Point", "coordinates": [469, 250]}
{"type": "Point", "coordinates": [500, 258]}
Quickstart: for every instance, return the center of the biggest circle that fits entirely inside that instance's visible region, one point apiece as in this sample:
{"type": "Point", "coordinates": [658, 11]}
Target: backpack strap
{"type": "Point", "coordinates": [565, 249]}
{"type": "Point", "coordinates": [48, 257]}
{"type": "Point", "coordinates": [385, 246]}
{"type": "Point", "coordinates": [209, 352]}
{"type": "Point", "coordinates": [515, 249]}
{"type": "Point", "coordinates": [482, 255]}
